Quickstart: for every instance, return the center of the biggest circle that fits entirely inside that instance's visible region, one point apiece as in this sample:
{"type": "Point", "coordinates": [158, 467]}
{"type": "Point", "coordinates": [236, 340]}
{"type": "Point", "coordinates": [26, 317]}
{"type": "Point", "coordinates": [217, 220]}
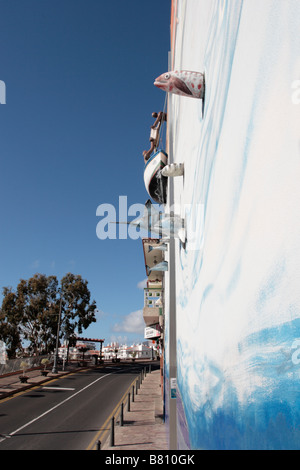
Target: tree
{"type": "Point", "coordinates": [9, 328]}
{"type": "Point", "coordinates": [31, 313]}
{"type": "Point", "coordinates": [83, 349]}
{"type": "Point", "coordinates": [77, 311]}
{"type": "Point", "coordinates": [37, 311]}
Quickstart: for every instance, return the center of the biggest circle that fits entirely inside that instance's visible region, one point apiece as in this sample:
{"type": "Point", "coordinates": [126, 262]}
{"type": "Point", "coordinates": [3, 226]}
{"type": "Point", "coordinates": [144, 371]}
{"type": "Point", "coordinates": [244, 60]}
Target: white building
{"type": "Point", "coordinates": [139, 351]}
{"type": "Point", "coordinates": [75, 352]}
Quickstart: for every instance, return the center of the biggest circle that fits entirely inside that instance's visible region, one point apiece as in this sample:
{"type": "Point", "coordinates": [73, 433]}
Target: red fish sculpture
{"type": "Point", "coordinates": [184, 83]}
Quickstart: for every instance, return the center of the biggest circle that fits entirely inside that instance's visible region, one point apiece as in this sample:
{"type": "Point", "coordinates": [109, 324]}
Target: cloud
{"type": "Point", "coordinates": [142, 284]}
{"type": "Point", "coordinates": [35, 264]}
{"type": "Point", "coordinates": [119, 339]}
{"type": "Point", "coordinates": [131, 323]}
{"type": "Point", "coordinates": [99, 314]}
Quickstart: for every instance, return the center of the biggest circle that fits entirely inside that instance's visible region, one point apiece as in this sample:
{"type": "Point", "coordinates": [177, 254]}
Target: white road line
{"type": "Point", "coordinates": [53, 408]}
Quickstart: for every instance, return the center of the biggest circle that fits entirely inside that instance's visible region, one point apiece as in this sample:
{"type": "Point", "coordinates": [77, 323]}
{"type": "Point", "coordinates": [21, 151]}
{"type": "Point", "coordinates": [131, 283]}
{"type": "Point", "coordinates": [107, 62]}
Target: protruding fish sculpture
{"type": "Point", "coordinates": [162, 247]}
{"type": "Point", "coordinates": [184, 83]}
{"type": "Point", "coordinates": [163, 266]}
{"type": "Point", "coordinates": [163, 224]}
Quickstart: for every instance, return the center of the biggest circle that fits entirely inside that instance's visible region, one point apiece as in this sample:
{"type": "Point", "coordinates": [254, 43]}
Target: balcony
{"type": "Point", "coordinates": [153, 254]}
{"type": "Point", "coordinates": [151, 315]}
{"type": "Point", "coordinates": [152, 311]}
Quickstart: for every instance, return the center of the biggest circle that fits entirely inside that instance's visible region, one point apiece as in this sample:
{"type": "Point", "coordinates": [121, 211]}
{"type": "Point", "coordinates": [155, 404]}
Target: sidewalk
{"type": "Point", "coordinates": [143, 427]}
{"type": "Point", "coordinates": [11, 384]}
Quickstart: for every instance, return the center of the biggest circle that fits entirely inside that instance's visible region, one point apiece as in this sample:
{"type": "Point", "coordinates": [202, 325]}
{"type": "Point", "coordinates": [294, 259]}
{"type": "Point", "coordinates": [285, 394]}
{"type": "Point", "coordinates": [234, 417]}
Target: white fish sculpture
{"type": "Point", "coordinates": [184, 83]}
{"type": "Point", "coordinates": [172, 170]}
{"type": "Point", "coordinates": [163, 247]}
{"type": "Point", "coordinates": [163, 266]}
{"type": "Point", "coordinates": [163, 224]}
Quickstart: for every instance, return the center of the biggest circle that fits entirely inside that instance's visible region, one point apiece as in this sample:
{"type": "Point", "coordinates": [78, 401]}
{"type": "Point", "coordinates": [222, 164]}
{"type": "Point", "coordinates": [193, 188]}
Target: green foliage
{"type": "Point", "coordinates": [31, 313]}
{"type": "Point", "coordinates": [45, 362]}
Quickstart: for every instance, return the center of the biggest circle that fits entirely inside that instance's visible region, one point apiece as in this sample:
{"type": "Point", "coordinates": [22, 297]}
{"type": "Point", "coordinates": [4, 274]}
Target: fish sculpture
{"type": "Point", "coordinates": [184, 83]}
{"type": "Point", "coordinates": [163, 266]}
{"type": "Point", "coordinates": [163, 224]}
{"type": "Point", "coordinates": [163, 247]}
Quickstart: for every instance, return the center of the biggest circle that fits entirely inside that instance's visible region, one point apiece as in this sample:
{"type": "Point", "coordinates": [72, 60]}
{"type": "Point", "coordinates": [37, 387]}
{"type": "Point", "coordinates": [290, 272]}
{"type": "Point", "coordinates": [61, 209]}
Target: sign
{"type": "Point", "coordinates": [152, 332]}
{"type": "Point", "coordinates": [173, 387]}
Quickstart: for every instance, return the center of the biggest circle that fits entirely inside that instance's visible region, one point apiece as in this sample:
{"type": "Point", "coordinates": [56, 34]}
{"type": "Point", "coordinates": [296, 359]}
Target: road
{"type": "Point", "coordinates": [64, 414]}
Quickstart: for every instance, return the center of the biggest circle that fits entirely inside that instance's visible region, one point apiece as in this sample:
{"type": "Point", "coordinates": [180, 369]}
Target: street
{"type": "Point", "coordinates": [66, 413]}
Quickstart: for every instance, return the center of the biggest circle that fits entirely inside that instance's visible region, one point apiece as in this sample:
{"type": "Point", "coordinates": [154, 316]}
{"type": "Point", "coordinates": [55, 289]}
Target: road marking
{"type": "Point", "coordinates": [53, 408]}
{"type": "Point", "coordinates": [23, 392]}
{"type": "Point", "coordinates": [57, 388]}
{"type": "Point", "coordinates": [104, 430]}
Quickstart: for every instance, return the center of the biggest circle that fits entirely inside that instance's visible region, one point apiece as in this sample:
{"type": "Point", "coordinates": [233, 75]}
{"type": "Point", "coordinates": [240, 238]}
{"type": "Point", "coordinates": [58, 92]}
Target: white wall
{"type": "Point", "coordinates": [238, 296]}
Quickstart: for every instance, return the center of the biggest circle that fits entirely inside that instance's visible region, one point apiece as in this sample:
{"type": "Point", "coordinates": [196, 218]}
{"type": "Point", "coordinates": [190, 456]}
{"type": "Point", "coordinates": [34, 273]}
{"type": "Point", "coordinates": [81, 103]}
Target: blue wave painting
{"type": "Point", "coordinates": [238, 295]}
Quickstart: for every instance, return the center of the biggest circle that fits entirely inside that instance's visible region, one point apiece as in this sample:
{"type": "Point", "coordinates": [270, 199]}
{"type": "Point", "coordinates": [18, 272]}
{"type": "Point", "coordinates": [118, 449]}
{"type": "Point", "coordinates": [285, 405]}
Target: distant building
{"type": "Point", "coordinates": [139, 351]}
{"type": "Point", "coordinates": [76, 353]}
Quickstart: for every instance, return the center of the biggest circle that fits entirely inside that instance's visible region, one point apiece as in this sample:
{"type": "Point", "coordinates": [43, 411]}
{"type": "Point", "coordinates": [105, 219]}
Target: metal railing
{"type": "Point", "coordinates": [14, 365]}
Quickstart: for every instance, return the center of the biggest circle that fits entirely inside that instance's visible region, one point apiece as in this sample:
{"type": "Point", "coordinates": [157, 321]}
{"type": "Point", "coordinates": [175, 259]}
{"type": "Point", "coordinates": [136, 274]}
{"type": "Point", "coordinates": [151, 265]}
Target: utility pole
{"type": "Point", "coordinates": [54, 370]}
{"type": "Point", "coordinates": [172, 298]}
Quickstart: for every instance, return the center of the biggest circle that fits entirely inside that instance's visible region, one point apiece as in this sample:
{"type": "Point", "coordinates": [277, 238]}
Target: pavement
{"type": "Point", "coordinates": [143, 426]}
{"type": "Point", "coordinates": [10, 384]}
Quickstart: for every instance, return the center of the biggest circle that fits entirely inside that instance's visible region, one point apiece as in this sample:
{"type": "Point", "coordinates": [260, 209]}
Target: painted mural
{"type": "Point", "coordinates": [238, 277]}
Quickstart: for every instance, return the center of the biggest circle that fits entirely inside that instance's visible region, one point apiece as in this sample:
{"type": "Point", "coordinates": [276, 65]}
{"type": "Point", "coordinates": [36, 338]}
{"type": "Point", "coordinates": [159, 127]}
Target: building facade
{"type": "Point", "coordinates": [135, 351]}
{"type": "Point", "coordinates": [236, 295]}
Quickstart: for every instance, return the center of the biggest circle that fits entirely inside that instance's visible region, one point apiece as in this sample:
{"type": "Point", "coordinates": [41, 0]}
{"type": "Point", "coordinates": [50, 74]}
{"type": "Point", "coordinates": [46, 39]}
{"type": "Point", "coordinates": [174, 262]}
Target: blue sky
{"type": "Point", "coordinates": [79, 96]}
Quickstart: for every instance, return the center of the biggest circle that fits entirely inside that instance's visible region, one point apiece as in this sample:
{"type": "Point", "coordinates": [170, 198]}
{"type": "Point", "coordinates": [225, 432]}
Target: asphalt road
{"type": "Point", "coordinates": [64, 414]}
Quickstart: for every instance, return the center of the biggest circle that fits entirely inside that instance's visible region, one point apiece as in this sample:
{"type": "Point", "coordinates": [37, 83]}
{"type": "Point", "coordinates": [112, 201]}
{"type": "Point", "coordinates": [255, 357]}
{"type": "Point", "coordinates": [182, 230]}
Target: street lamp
{"type": "Point", "coordinates": [54, 370]}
